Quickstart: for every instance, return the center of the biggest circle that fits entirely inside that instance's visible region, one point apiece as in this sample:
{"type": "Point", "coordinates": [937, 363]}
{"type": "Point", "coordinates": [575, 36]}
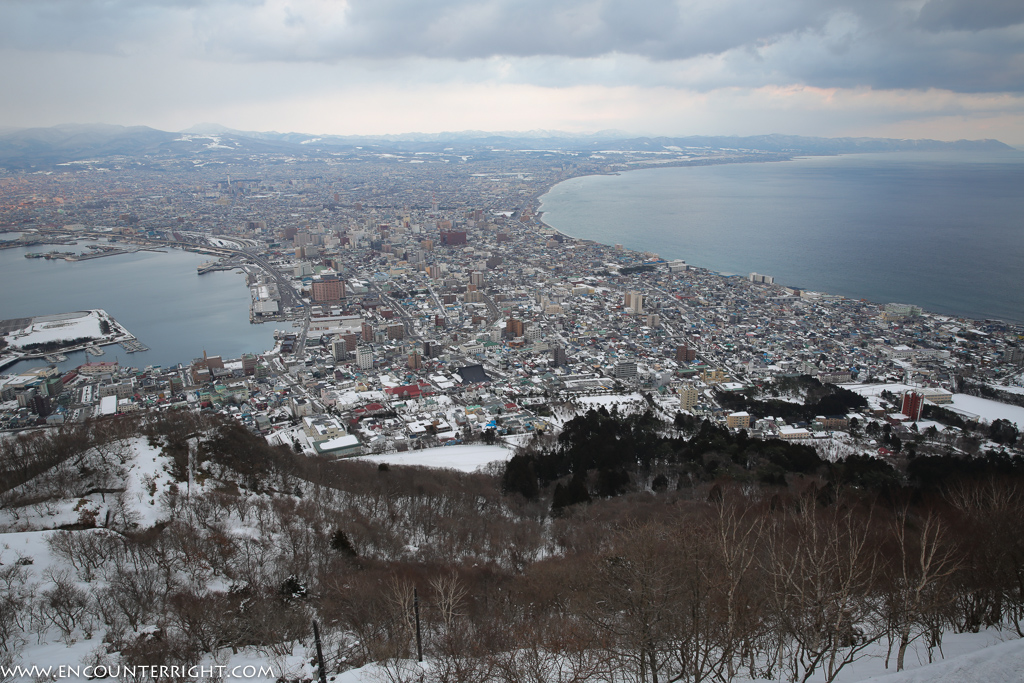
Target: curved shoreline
{"type": "Point", "coordinates": [538, 216]}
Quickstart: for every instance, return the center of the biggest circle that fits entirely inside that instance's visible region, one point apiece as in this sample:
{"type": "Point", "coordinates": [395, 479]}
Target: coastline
{"type": "Point", "coordinates": [538, 215]}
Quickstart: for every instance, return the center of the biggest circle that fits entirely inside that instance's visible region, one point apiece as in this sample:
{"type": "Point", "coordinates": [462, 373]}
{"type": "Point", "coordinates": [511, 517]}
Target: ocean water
{"type": "Point", "coordinates": [942, 231]}
{"type": "Point", "coordinates": [158, 297]}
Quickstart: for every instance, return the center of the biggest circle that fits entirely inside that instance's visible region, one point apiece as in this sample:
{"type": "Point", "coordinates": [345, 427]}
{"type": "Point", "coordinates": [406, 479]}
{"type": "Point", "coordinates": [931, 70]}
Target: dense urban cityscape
{"type": "Point", "coordinates": [427, 289]}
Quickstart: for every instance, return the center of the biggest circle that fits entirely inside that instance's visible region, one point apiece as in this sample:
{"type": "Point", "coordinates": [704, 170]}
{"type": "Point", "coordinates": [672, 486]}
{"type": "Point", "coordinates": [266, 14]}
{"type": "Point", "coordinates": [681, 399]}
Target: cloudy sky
{"type": "Point", "coordinates": [944, 69]}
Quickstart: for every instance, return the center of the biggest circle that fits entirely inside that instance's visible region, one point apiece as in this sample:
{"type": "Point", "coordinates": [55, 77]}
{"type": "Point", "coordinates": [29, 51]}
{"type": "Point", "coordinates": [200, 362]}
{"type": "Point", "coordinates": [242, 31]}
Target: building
{"type": "Point", "coordinates": [740, 420]}
{"type": "Point", "coordinates": [559, 356]}
{"type": "Point", "coordinates": [762, 279]}
{"type": "Point", "coordinates": [936, 395]}
{"type": "Point", "coordinates": [339, 348]}
{"type": "Point", "coordinates": [684, 354]}
{"type": "Point", "coordinates": [912, 405]}
{"type": "Point", "coordinates": [396, 331]}
{"type": "Point", "coordinates": [415, 361]}
{"type": "Point", "coordinates": [364, 356]}
{"type": "Point", "coordinates": [900, 311]}
{"type": "Point", "coordinates": [514, 328]}
{"type": "Point", "coordinates": [625, 370]}
{"type": "Point", "coordinates": [451, 238]}
{"type": "Point", "coordinates": [328, 287]}
{"type": "Point", "coordinates": [339, 447]}
{"type": "Point", "coordinates": [634, 301]}
{"type": "Point", "coordinates": [794, 433]}
{"type": "Point", "coordinates": [688, 398]}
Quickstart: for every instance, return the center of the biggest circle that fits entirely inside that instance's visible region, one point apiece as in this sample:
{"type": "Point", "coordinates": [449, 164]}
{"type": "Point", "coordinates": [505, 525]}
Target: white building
{"type": "Point", "coordinates": [364, 357]}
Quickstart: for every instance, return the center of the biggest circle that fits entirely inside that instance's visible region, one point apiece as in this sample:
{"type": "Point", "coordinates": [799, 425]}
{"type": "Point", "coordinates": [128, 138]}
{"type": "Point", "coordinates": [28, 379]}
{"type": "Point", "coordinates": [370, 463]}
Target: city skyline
{"type": "Point", "coordinates": [940, 69]}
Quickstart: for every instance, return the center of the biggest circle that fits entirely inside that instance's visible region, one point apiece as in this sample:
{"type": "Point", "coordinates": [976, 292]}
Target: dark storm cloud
{"type": "Point", "coordinates": [961, 45]}
{"type": "Point", "coordinates": [971, 15]}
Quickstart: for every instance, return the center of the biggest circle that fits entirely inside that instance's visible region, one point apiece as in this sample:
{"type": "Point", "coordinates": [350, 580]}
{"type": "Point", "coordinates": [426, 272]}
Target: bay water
{"type": "Point", "coordinates": [942, 231]}
{"type": "Point", "coordinates": [158, 297]}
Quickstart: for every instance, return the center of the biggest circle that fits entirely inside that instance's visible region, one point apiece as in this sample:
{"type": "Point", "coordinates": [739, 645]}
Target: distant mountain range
{"type": "Point", "coordinates": [45, 147]}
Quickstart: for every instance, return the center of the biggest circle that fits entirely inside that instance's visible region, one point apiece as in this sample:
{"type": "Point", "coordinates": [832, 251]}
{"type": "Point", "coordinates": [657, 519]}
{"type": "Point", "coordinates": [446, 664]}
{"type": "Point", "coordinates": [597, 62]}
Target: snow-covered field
{"type": "Point", "coordinates": [462, 458]}
{"type": "Point", "coordinates": [61, 327]}
{"type": "Point", "coordinates": [986, 409]}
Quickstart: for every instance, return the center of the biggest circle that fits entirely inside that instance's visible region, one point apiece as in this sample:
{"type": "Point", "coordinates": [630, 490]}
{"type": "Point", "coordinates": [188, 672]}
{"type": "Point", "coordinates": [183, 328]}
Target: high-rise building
{"type": "Point", "coordinates": [558, 353]}
{"type": "Point", "coordinates": [514, 327]}
{"type": "Point", "coordinates": [684, 354]}
{"type": "Point", "coordinates": [635, 301]}
{"type": "Point", "coordinates": [688, 397]}
{"type": "Point", "coordinates": [339, 348]}
{"type": "Point", "coordinates": [415, 361]}
{"type": "Point", "coordinates": [396, 331]}
{"type": "Point", "coordinates": [913, 405]}
{"type": "Point", "coordinates": [364, 357]}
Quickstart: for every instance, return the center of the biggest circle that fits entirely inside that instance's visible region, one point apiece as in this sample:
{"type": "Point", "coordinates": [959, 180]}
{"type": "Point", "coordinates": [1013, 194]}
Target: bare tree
{"type": "Point", "coordinates": [925, 561]}
{"type": "Point", "coordinates": [638, 590]}
{"type": "Point", "coordinates": [823, 572]}
{"type": "Point", "coordinates": [65, 603]}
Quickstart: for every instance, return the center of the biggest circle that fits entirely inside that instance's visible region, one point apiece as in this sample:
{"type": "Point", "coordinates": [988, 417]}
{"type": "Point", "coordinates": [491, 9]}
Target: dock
{"type": "Point", "coordinates": [211, 266]}
{"type": "Point", "coordinates": [133, 345]}
{"type": "Point", "coordinates": [110, 252]}
{"type": "Point", "coordinates": [50, 255]}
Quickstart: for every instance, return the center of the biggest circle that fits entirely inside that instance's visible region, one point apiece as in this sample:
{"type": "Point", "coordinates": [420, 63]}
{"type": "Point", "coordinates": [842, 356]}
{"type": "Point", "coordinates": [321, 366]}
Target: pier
{"type": "Point", "coordinates": [211, 266]}
{"type": "Point", "coordinates": [109, 252]}
{"type": "Point", "coordinates": [133, 345]}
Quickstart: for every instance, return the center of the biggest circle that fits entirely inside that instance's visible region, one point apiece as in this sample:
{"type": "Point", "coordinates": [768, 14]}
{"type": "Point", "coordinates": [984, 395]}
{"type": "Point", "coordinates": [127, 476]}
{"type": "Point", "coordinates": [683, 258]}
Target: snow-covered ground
{"type": "Point", "coordinates": [462, 458]}
{"type": "Point", "coordinates": [969, 658]}
{"type": "Point", "coordinates": [1000, 663]}
{"type": "Point", "coordinates": [61, 327]}
{"type": "Point", "coordinates": [986, 409]}
{"type": "Point", "coordinates": [144, 477]}
{"type": "Point", "coordinates": [608, 401]}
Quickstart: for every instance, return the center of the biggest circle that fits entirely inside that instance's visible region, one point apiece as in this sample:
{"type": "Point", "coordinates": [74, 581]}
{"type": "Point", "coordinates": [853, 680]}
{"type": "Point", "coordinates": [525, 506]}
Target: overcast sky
{"type": "Point", "coordinates": [944, 69]}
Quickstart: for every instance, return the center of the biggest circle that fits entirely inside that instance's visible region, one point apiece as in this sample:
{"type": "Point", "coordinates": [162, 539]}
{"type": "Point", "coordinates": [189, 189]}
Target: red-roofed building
{"type": "Point", "coordinates": [409, 390]}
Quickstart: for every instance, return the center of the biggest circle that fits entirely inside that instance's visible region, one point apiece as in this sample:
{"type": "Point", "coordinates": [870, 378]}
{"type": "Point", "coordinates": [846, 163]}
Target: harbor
{"type": "Point", "coordinates": [133, 345]}
{"type": "Point", "coordinates": [212, 307]}
{"type": "Point", "coordinates": [54, 337]}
